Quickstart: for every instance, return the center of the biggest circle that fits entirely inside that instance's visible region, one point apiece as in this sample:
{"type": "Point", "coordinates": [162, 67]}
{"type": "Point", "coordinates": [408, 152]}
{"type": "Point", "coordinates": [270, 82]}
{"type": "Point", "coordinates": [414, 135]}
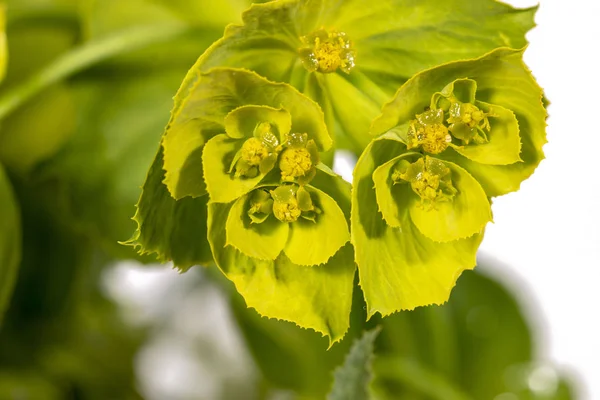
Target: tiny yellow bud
{"type": "Point", "coordinates": [429, 178]}
{"type": "Point", "coordinates": [295, 163]}
{"type": "Point", "coordinates": [327, 51]}
{"type": "Point", "coordinates": [254, 151]}
{"type": "Point", "coordinates": [433, 138]}
{"type": "Point", "coordinates": [287, 211]}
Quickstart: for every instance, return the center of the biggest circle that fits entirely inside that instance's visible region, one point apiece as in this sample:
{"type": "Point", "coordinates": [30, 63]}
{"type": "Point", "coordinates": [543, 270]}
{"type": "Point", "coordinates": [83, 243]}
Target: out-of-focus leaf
{"type": "Point", "coordinates": [3, 46]}
{"type": "Point", "coordinates": [10, 241]}
{"type": "Point", "coordinates": [477, 346]}
{"type": "Point", "coordinates": [207, 12]}
{"type": "Point", "coordinates": [41, 126]}
{"type": "Point", "coordinates": [99, 171]}
{"type": "Point", "coordinates": [107, 18]}
{"type": "Point", "coordinates": [60, 329]}
{"type": "Point", "coordinates": [37, 130]}
{"type": "Point", "coordinates": [352, 380]}
{"type": "Point", "coordinates": [28, 385]}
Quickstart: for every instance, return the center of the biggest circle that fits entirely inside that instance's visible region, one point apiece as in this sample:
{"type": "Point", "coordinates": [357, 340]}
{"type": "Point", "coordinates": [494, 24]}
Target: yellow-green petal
{"type": "Point", "coordinates": [464, 215]}
{"type": "Point", "coordinates": [241, 122]}
{"type": "Point", "coordinates": [502, 80]}
{"type": "Point", "coordinates": [399, 268]}
{"type": "Point", "coordinates": [222, 185]}
{"type": "Point", "coordinates": [504, 146]}
{"type": "Point", "coordinates": [263, 241]}
{"type": "Point", "coordinates": [199, 114]}
{"type": "Point", "coordinates": [314, 297]}
{"type": "Point", "coordinates": [314, 243]}
{"type": "Point", "coordinates": [392, 199]}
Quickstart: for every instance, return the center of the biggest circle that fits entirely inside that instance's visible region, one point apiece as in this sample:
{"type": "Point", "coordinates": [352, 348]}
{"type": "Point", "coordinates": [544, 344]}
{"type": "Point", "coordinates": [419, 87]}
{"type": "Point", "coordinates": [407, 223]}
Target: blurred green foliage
{"type": "Point", "coordinates": [73, 154]}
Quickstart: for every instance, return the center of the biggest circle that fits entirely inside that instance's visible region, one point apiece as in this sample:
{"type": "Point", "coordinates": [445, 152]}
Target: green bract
{"type": "Point", "coordinates": [249, 119]}
{"type": "Point", "coordinates": [239, 178]}
{"type": "Point", "coordinates": [286, 249]}
{"type": "Point", "coordinates": [277, 219]}
{"type": "Point", "coordinates": [452, 137]}
{"type": "Point", "coordinates": [351, 60]}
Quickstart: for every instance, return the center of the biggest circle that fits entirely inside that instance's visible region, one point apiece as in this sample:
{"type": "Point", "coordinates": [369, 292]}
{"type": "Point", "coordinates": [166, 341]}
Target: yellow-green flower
{"type": "Point", "coordinates": [453, 137]}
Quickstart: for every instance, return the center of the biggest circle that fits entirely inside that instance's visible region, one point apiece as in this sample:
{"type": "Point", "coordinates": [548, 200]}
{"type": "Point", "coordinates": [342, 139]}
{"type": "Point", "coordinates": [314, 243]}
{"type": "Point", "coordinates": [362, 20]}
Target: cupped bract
{"type": "Point", "coordinates": [286, 248]}
{"type": "Point", "coordinates": [453, 137]}
{"type": "Point", "coordinates": [244, 121]}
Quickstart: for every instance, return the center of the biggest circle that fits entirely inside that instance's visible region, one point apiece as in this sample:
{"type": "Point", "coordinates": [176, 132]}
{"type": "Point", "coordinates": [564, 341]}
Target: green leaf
{"type": "Point", "coordinates": [399, 268]}
{"type": "Point", "coordinates": [393, 41]}
{"type": "Point", "coordinates": [314, 243]}
{"type": "Point", "coordinates": [199, 114]}
{"type": "Point", "coordinates": [172, 229]}
{"type": "Point", "coordinates": [465, 215]}
{"type": "Point", "coordinates": [502, 80]}
{"type": "Point", "coordinates": [352, 380]}
{"type": "Point", "coordinates": [263, 241]}
{"type": "Point", "coordinates": [10, 241]}
{"type": "Point", "coordinates": [315, 297]}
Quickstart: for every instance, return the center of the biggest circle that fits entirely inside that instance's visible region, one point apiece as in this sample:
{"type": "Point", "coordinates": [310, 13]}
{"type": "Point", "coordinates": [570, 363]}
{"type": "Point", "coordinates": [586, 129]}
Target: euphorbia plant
{"type": "Point", "coordinates": [242, 178]}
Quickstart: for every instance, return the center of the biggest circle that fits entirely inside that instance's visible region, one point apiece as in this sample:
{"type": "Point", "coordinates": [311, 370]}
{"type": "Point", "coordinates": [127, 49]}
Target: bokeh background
{"type": "Point", "coordinates": [90, 319]}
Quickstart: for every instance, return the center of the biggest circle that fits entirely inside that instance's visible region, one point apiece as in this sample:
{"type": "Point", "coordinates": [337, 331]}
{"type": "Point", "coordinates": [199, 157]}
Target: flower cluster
{"type": "Point", "coordinates": [243, 177]}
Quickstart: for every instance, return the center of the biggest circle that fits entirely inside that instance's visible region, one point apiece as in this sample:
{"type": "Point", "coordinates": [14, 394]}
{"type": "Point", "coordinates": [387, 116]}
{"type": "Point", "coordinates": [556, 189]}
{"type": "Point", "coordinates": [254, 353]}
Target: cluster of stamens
{"type": "Point", "coordinates": [327, 51]}
{"type": "Point", "coordinates": [297, 157]}
{"type": "Point", "coordinates": [429, 178]}
{"type": "Point", "coordinates": [433, 132]}
{"type": "Point", "coordinates": [287, 203]}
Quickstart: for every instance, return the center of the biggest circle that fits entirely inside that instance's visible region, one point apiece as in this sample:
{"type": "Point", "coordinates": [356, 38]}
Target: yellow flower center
{"type": "Point", "coordinates": [472, 115]}
{"type": "Point", "coordinates": [427, 186]}
{"type": "Point", "coordinates": [254, 151]}
{"type": "Point", "coordinates": [287, 211]}
{"type": "Point", "coordinates": [433, 138]}
{"type": "Point", "coordinates": [294, 163]}
{"type": "Point", "coordinates": [429, 178]}
{"type": "Point", "coordinates": [327, 51]}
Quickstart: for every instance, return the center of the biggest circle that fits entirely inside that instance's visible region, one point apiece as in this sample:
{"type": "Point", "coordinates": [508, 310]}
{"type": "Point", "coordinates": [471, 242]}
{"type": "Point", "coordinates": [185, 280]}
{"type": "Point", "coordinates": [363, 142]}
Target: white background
{"type": "Point", "coordinates": [548, 233]}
